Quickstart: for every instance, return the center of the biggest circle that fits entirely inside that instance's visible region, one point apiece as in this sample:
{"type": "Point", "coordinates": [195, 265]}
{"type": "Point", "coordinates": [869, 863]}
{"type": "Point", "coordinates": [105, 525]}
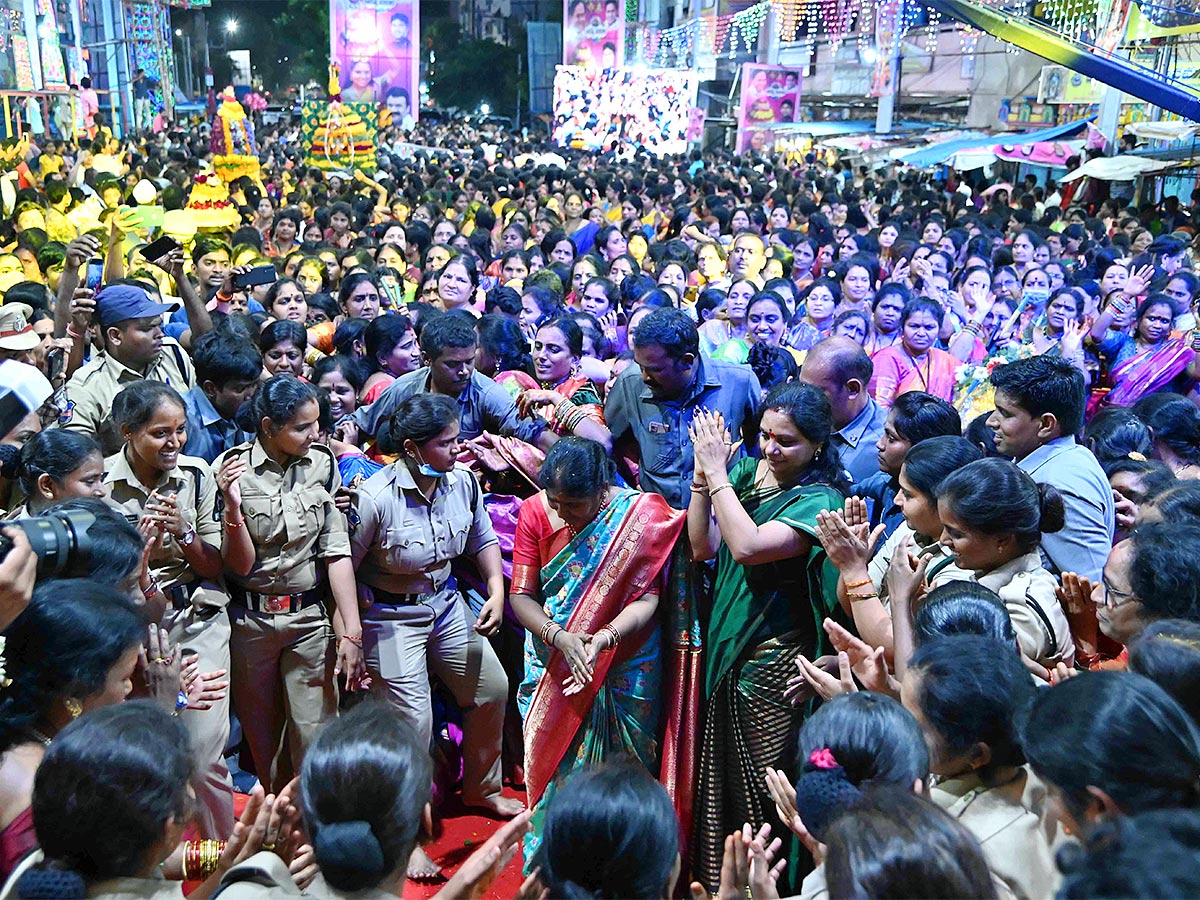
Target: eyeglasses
{"type": "Point", "coordinates": [1114, 597]}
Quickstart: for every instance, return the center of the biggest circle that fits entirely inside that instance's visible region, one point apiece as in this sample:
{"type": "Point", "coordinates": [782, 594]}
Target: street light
{"type": "Point", "coordinates": [178, 32]}
{"type": "Point", "coordinates": [231, 26]}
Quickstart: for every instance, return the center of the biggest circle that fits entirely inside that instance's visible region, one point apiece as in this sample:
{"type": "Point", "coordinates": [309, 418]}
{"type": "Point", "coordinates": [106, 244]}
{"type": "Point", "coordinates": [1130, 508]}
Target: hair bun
{"type": "Point", "coordinates": [384, 440]}
{"type": "Point", "coordinates": [1052, 509]}
{"type": "Point", "coordinates": [10, 458]}
{"type": "Point", "coordinates": [51, 884]}
{"type": "Point", "coordinates": [823, 792]}
{"type": "Point", "coordinates": [349, 847]}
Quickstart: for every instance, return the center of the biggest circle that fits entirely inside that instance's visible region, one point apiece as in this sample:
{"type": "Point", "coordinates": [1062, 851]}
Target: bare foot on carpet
{"type": "Point", "coordinates": [421, 867]}
{"type": "Point", "coordinates": [497, 806]}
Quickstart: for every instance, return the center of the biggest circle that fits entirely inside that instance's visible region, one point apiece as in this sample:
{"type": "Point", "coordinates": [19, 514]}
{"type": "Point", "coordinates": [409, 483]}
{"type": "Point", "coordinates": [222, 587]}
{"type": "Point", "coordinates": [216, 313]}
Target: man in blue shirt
{"type": "Point", "coordinates": [653, 401]}
{"type": "Point", "coordinates": [227, 371]}
{"type": "Point", "coordinates": [842, 369]}
{"type": "Point", "coordinates": [1040, 404]}
{"type": "Point", "coordinates": [448, 348]}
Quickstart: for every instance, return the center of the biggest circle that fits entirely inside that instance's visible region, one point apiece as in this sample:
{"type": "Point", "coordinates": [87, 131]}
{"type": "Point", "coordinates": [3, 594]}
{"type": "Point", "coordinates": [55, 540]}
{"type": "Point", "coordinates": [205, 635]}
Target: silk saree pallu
{"type": "Point", "coordinates": [613, 561]}
{"type": "Point", "coordinates": [1147, 372]}
{"type": "Point", "coordinates": [763, 617]}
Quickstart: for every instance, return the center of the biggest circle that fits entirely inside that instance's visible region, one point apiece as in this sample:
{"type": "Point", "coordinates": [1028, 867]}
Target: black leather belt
{"type": "Point", "coordinates": [275, 603]}
{"type": "Point", "coordinates": [387, 598]}
{"type": "Point", "coordinates": [181, 594]}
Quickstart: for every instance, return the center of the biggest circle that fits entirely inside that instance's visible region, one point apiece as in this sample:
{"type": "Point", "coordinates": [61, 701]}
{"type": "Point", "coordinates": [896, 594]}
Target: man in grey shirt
{"type": "Point", "coordinates": [1039, 408]}
{"type": "Point", "coordinates": [653, 401]}
{"type": "Point", "coordinates": [448, 345]}
{"type": "Point", "coordinates": [842, 369]}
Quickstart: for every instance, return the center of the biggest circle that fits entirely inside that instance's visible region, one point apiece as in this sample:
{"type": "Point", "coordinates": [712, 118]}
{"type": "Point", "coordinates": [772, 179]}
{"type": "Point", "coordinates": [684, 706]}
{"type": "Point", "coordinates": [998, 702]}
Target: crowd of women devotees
{"type": "Point", "coordinates": [776, 532]}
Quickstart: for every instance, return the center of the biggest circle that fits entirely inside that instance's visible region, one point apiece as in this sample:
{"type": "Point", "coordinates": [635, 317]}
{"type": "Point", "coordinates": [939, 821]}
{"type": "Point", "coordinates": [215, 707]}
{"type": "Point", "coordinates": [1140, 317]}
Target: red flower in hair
{"type": "Point", "coordinates": [823, 759]}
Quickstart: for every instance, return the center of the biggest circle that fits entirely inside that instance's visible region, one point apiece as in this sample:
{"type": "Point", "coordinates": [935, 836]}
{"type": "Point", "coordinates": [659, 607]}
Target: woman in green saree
{"type": "Point", "coordinates": [773, 588]}
{"type": "Point", "coordinates": [588, 565]}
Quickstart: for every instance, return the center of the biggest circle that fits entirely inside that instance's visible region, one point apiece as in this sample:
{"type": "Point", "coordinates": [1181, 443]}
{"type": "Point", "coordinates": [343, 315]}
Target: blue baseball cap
{"type": "Point", "coordinates": [119, 302]}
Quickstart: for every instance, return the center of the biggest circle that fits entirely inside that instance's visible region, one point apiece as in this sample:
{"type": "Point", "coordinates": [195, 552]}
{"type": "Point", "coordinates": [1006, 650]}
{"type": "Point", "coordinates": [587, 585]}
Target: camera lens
{"type": "Point", "coordinates": [55, 539]}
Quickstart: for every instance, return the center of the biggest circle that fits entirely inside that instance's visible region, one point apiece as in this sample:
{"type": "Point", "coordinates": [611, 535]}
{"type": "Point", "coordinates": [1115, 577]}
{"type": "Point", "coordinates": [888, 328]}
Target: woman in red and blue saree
{"type": "Point", "coordinates": [1149, 360]}
{"type": "Point", "coordinates": [589, 564]}
{"type": "Point", "coordinates": [773, 589]}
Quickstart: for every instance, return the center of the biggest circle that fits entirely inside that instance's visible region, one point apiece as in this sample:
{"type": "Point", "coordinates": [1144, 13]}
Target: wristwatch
{"type": "Point", "coordinates": [188, 538]}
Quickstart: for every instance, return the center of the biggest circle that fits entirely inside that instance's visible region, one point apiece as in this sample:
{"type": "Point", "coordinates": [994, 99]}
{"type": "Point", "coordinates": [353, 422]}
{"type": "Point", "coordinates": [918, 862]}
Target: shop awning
{"type": "Point", "coordinates": [1172, 130]}
{"type": "Point", "coordinates": [1119, 168]}
{"type": "Point", "coordinates": [942, 152]}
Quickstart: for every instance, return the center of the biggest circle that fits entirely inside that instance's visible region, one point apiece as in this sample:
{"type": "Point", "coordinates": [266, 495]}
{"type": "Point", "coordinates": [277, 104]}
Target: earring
{"type": "Point", "coordinates": [73, 707]}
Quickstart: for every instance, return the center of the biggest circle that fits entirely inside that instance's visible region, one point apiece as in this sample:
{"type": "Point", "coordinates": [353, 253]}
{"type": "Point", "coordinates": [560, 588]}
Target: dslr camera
{"type": "Point", "coordinates": [56, 539]}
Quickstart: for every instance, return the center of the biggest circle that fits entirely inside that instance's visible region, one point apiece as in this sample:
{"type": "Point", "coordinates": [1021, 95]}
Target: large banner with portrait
{"type": "Point", "coordinates": [623, 109]}
{"type": "Point", "coordinates": [593, 34]}
{"type": "Point", "coordinates": [770, 97]}
{"type": "Point", "coordinates": [375, 42]}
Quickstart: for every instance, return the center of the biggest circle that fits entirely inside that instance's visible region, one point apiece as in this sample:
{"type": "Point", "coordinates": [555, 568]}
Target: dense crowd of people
{"type": "Point", "coordinates": [778, 531]}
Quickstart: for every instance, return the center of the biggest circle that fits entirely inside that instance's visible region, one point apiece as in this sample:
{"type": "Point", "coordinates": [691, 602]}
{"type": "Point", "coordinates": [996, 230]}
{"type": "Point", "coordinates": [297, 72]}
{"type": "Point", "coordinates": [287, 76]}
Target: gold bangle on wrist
{"type": "Point", "coordinates": [713, 491]}
{"type": "Point", "coordinates": [200, 859]}
{"type": "Point", "coordinates": [548, 634]}
{"type": "Point", "coordinates": [866, 595]}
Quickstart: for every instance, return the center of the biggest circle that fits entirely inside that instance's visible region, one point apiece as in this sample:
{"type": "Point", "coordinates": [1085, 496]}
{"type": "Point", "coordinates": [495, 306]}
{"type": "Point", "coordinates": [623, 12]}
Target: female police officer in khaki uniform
{"type": "Point", "coordinates": [173, 497]}
{"type": "Point", "coordinates": [286, 553]}
{"type": "Point", "coordinates": [408, 523]}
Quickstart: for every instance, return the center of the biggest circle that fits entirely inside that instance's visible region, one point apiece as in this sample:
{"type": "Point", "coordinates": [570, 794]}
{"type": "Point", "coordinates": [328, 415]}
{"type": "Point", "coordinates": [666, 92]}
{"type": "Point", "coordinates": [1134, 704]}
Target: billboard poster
{"type": "Point", "coordinates": [770, 96]}
{"type": "Point", "coordinates": [593, 34]}
{"type": "Point", "coordinates": [22, 63]}
{"type": "Point", "coordinates": [375, 43]}
{"type": "Point", "coordinates": [1025, 111]}
{"type": "Point", "coordinates": [624, 109]}
{"type": "Point", "coordinates": [1058, 84]}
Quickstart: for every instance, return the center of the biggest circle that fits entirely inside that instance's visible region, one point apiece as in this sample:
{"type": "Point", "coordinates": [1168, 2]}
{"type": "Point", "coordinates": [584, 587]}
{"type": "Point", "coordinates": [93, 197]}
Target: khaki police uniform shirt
{"type": "Point", "coordinates": [195, 488]}
{"type": "Point", "coordinates": [290, 516]}
{"type": "Point", "coordinates": [941, 569]}
{"type": "Point", "coordinates": [266, 876]}
{"type": "Point", "coordinates": [92, 389]}
{"type": "Point", "coordinates": [1030, 594]}
{"type": "Point", "coordinates": [815, 887]}
{"type": "Point", "coordinates": [155, 888]}
{"type": "Point", "coordinates": [403, 543]}
{"type": "Point", "coordinates": [20, 512]}
{"type": "Point", "coordinates": [1011, 835]}
{"type": "Point", "coordinates": [263, 875]}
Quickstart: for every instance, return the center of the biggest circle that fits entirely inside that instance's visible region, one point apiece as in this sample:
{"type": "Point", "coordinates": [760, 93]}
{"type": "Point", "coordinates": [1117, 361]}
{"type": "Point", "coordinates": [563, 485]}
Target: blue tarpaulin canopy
{"type": "Point", "coordinates": [940, 153]}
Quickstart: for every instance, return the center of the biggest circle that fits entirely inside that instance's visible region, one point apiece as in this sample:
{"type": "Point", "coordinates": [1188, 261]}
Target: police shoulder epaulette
{"type": "Point", "coordinates": [332, 481]}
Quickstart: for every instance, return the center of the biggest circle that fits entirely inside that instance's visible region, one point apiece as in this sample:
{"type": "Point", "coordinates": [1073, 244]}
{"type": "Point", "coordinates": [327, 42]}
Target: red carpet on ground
{"type": "Point", "coordinates": [461, 832]}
